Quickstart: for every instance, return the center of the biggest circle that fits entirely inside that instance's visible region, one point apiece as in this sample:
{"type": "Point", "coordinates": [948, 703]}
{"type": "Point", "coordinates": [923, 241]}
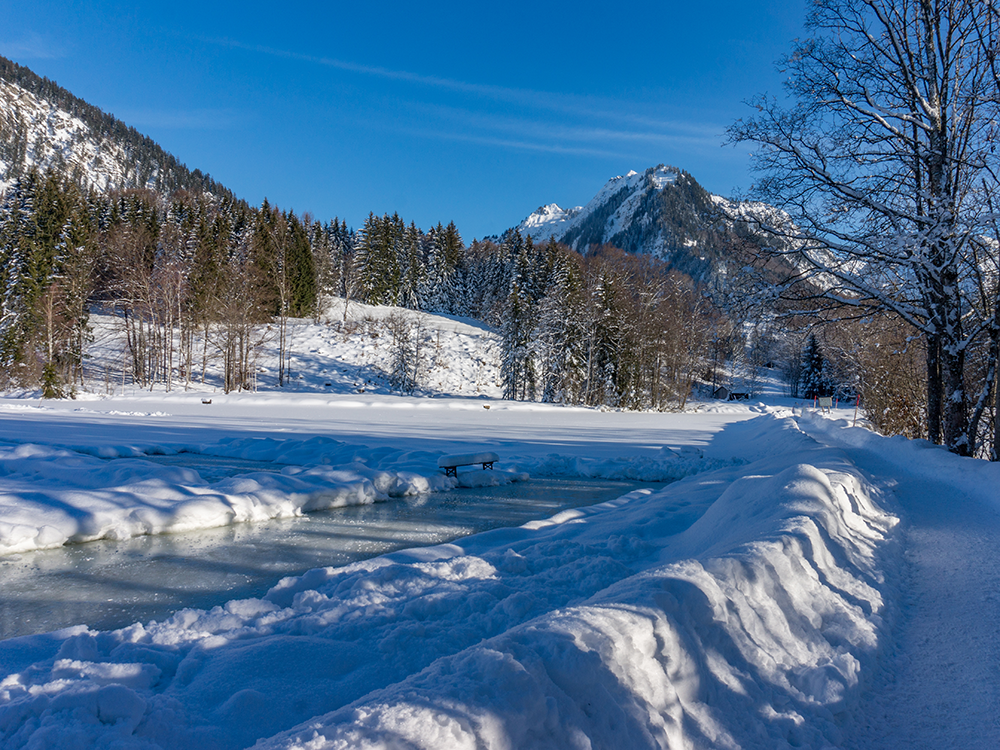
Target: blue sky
{"type": "Point", "coordinates": [441, 111]}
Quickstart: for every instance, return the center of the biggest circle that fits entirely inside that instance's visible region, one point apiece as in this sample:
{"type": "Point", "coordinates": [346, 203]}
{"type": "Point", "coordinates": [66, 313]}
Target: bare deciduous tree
{"type": "Point", "coordinates": [881, 161]}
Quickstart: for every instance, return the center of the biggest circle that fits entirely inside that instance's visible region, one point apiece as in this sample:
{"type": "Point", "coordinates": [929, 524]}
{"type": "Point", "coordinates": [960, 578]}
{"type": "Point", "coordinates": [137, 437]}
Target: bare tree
{"type": "Point", "coordinates": [240, 330]}
{"type": "Point", "coordinates": [131, 251]}
{"type": "Point", "coordinates": [880, 162]}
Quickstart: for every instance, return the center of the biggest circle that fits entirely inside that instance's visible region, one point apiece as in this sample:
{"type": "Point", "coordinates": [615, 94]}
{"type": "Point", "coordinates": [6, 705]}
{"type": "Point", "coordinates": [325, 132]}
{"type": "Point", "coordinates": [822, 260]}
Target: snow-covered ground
{"type": "Point", "coordinates": [344, 353]}
{"type": "Point", "coordinates": [805, 583]}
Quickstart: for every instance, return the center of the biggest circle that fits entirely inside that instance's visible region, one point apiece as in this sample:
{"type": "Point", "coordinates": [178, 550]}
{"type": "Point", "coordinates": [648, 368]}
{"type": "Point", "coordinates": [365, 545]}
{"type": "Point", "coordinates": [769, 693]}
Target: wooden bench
{"type": "Point", "coordinates": [451, 463]}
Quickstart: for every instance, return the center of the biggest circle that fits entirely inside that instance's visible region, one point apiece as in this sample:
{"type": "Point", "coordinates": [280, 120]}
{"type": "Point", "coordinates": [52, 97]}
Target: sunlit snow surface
{"type": "Point", "coordinates": [757, 626]}
{"type": "Point", "coordinates": [762, 601]}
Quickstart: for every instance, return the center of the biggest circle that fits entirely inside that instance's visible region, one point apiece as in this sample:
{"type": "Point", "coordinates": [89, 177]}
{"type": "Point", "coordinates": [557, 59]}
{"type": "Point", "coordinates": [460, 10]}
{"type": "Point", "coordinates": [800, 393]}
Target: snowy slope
{"type": "Point", "coordinates": [54, 139]}
{"type": "Point", "coordinates": [549, 221]}
{"type": "Point", "coordinates": [45, 127]}
{"type": "Point", "coordinates": [342, 353]}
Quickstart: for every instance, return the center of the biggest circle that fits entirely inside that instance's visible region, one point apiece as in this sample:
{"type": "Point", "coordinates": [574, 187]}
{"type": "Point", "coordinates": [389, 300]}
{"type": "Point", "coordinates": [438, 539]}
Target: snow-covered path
{"type": "Point", "coordinates": [941, 685]}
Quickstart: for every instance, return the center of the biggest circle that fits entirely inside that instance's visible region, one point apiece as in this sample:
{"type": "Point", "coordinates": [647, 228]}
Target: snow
{"type": "Point", "coordinates": [551, 220]}
{"type": "Point", "coordinates": [346, 353]}
{"type": "Point", "coordinates": [545, 615]}
{"type": "Point", "coordinates": [54, 136]}
{"type": "Point", "coordinates": [464, 459]}
{"type": "Point", "coordinates": [803, 583]}
{"type": "Point", "coordinates": [548, 221]}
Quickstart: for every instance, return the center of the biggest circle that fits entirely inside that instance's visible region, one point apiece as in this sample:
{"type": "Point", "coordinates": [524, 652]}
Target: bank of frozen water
{"type": "Point", "coordinates": [617, 625]}
{"type": "Point", "coordinates": [52, 496]}
{"type": "Point", "coordinates": [111, 584]}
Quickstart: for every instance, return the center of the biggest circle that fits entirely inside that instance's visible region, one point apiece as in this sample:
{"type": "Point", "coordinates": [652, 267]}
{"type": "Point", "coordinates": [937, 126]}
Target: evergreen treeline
{"type": "Point", "coordinates": [199, 276]}
{"type": "Point", "coordinates": [194, 266]}
{"type": "Point", "coordinates": [608, 328]}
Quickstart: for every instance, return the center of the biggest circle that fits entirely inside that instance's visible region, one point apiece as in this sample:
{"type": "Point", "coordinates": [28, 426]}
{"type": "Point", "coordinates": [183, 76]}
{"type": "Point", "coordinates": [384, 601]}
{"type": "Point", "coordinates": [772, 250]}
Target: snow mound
{"type": "Point", "coordinates": [670, 465]}
{"type": "Point", "coordinates": [759, 639]}
{"type": "Point", "coordinates": [51, 497]}
{"type": "Point", "coordinates": [741, 607]}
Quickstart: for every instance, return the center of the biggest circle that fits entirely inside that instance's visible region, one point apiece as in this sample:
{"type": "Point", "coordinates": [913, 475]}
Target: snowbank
{"type": "Point", "coordinates": [739, 607]}
{"type": "Point", "coordinates": [51, 496]}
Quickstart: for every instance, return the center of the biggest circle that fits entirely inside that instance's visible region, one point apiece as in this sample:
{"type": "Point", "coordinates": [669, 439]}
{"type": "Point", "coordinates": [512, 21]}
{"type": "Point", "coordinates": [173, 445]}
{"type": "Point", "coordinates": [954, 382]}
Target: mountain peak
{"type": "Point", "coordinates": [618, 205]}
{"type": "Point", "coordinates": [661, 211]}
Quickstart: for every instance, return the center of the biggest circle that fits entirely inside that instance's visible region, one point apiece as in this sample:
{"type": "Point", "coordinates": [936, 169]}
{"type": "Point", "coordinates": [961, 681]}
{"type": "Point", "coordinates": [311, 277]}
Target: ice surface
{"type": "Point", "coordinates": [109, 584]}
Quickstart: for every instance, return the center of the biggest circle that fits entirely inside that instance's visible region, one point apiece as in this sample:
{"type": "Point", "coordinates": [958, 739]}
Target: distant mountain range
{"type": "Point", "coordinates": [662, 212]}
{"type": "Point", "coordinates": [44, 126]}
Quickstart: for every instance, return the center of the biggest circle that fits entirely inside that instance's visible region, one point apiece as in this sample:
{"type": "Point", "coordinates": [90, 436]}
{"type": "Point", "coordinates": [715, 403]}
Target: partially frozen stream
{"type": "Point", "coordinates": [112, 584]}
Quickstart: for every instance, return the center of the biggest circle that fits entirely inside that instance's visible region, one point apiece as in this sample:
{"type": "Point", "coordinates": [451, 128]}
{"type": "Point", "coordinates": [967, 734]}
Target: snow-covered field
{"type": "Point", "coordinates": [771, 597]}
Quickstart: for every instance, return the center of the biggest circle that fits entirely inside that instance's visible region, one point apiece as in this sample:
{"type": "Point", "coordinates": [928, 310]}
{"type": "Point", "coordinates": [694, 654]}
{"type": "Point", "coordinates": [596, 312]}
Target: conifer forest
{"type": "Point", "coordinates": [195, 278]}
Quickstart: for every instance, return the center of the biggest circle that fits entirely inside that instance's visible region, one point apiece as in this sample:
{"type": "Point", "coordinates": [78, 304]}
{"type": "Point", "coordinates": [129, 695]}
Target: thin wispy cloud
{"type": "Point", "coordinates": [559, 130]}
{"type": "Point", "coordinates": [538, 121]}
{"type": "Point", "coordinates": [521, 145]}
{"type": "Point", "coordinates": [373, 70]}
{"type": "Point", "coordinates": [591, 107]}
{"type": "Point", "coordinates": [33, 46]}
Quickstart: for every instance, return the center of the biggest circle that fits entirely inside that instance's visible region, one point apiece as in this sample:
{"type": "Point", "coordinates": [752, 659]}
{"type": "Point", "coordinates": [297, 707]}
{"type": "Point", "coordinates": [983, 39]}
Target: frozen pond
{"type": "Point", "coordinates": [112, 584]}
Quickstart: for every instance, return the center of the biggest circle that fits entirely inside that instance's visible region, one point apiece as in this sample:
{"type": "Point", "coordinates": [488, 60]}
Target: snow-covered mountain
{"type": "Point", "coordinates": [45, 127]}
{"type": "Point", "coordinates": [662, 212]}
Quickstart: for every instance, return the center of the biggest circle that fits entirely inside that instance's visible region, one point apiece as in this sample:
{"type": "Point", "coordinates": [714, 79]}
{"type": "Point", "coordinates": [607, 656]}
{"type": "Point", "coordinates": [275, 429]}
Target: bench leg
{"type": "Point", "coordinates": [451, 471]}
{"type": "Point", "coordinates": [488, 465]}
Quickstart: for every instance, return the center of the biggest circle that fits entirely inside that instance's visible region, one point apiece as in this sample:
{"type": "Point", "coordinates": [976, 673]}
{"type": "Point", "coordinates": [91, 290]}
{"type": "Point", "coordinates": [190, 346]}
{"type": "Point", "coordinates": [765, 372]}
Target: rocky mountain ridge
{"type": "Point", "coordinates": [662, 212]}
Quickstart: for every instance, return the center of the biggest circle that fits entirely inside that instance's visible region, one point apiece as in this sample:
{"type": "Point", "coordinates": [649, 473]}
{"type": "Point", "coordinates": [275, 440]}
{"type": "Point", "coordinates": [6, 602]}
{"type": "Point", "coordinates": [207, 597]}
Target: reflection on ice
{"type": "Point", "coordinates": [109, 584]}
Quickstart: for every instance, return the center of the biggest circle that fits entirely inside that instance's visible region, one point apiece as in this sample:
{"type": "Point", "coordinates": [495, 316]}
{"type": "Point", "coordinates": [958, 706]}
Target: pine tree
{"type": "Point", "coordinates": [412, 262]}
{"type": "Point", "coordinates": [301, 269]}
{"type": "Point", "coordinates": [516, 372]}
{"type": "Point", "coordinates": [813, 379]}
{"type": "Point", "coordinates": [557, 337]}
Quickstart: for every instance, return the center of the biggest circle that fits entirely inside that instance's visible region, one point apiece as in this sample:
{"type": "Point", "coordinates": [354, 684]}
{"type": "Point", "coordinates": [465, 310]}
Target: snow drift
{"type": "Point", "coordinates": [53, 496]}
{"type": "Point", "coordinates": [741, 607]}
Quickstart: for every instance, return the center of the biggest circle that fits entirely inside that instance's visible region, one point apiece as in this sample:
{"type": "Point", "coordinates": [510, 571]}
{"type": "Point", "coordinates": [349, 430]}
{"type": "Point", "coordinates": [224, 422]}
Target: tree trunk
{"type": "Point", "coordinates": [934, 388]}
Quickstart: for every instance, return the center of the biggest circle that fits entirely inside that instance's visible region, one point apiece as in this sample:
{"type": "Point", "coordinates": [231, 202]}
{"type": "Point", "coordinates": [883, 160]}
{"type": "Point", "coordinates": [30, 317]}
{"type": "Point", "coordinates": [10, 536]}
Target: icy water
{"type": "Point", "coordinates": [109, 585]}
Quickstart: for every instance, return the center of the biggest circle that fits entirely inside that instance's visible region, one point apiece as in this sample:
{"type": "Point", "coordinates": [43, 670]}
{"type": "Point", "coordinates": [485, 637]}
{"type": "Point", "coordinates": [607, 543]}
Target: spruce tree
{"type": "Point", "coordinates": [813, 379]}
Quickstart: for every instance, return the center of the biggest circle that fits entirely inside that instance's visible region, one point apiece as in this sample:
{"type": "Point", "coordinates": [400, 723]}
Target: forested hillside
{"type": "Point", "coordinates": [43, 126]}
{"type": "Point", "coordinates": [193, 276]}
{"type": "Point", "coordinates": [94, 213]}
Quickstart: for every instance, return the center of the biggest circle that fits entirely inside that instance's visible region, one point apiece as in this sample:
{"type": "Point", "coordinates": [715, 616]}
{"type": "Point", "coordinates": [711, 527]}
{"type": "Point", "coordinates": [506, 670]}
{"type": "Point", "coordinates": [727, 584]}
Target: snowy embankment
{"type": "Point", "coordinates": [348, 352]}
{"type": "Point", "coordinates": [53, 496]}
{"type": "Point", "coordinates": [620, 625]}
